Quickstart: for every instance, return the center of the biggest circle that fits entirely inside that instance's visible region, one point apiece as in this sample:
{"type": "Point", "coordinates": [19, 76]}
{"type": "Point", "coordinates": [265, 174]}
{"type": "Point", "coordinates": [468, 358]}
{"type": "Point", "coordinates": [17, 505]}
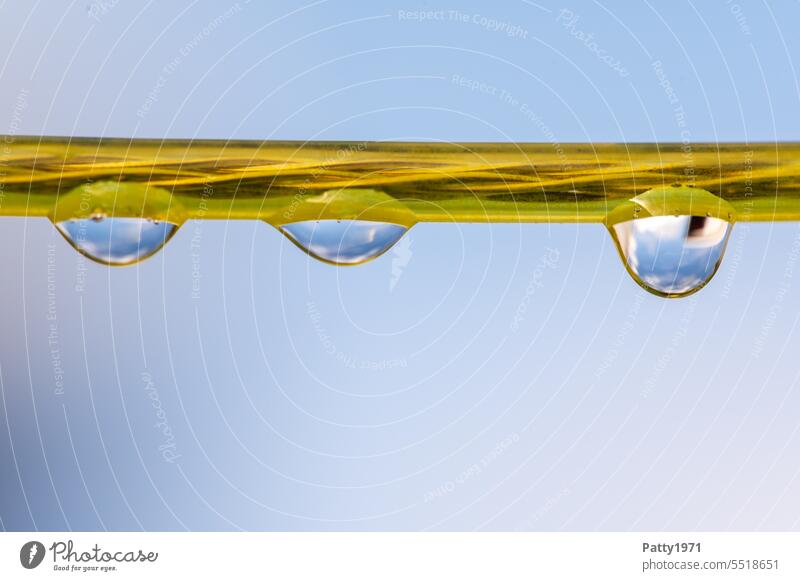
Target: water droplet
{"type": "Point", "coordinates": [116, 241]}
{"type": "Point", "coordinates": [672, 256]}
{"type": "Point", "coordinates": [344, 242]}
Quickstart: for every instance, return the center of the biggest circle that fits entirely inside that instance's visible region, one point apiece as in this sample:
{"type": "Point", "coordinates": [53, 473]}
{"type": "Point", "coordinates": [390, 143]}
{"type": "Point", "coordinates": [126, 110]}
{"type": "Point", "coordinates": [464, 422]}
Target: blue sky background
{"type": "Point", "coordinates": [505, 377]}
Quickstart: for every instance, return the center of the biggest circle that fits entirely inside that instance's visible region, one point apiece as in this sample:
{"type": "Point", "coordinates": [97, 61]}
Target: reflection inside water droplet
{"type": "Point", "coordinates": [344, 242]}
{"type": "Point", "coordinates": [672, 256]}
{"type": "Point", "coordinates": [116, 241]}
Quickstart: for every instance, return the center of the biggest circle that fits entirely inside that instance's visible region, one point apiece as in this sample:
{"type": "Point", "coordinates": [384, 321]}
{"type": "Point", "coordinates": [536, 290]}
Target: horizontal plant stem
{"type": "Point", "coordinates": [280, 181]}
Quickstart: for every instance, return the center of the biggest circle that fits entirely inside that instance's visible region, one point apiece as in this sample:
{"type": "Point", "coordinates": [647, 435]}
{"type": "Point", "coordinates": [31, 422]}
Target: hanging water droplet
{"type": "Point", "coordinates": [116, 241]}
{"type": "Point", "coordinates": [672, 256]}
{"type": "Point", "coordinates": [344, 242]}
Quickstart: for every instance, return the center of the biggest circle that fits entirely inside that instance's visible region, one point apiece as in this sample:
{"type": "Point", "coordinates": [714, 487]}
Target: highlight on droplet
{"type": "Point", "coordinates": [116, 241]}
{"type": "Point", "coordinates": [344, 242]}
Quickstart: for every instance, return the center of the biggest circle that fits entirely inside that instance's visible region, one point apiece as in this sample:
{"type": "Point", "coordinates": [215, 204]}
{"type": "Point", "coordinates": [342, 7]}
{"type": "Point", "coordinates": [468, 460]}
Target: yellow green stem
{"type": "Point", "coordinates": [281, 182]}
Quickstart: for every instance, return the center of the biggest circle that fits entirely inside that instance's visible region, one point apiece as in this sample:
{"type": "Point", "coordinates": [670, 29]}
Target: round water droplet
{"type": "Point", "coordinates": [672, 256]}
{"type": "Point", "coordinates": [344, 242]}
{"type": "Point", "coordinates": [116, 241]}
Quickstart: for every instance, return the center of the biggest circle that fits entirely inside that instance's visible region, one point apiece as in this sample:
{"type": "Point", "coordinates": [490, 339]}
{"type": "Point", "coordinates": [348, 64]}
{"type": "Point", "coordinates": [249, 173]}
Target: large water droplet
{"type": "Point", "coordinates": [672, 256]}
{"type": "Point", "coordinates": [344, 242]}
{"type": "Point", "coordinates": [116, 241]}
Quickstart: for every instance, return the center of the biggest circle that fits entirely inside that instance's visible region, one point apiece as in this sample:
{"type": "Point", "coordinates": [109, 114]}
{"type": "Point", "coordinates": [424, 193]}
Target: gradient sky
{"type": "Point", "coordinates": [505, 377]}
